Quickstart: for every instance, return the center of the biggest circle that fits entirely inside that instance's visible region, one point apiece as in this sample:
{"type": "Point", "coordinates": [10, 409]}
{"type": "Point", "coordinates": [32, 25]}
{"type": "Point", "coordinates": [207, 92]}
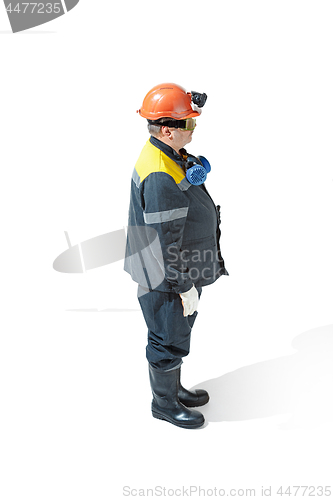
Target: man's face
{"type": "Point", "coordinates": [177, 138]}
{"type": "Point", "coordinates": [181, 137]}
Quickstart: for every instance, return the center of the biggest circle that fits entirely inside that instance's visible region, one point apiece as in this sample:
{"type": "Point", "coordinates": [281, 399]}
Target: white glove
{"type": "Point", "coordinates": [190, 301]}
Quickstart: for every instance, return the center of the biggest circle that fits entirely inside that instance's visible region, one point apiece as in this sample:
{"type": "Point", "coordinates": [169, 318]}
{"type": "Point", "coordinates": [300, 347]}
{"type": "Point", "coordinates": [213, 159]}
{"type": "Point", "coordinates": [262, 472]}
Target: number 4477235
{"type": "Point", "coordinates": [308, 491]}
{"type": "Point", "coordinates": [32, 7]}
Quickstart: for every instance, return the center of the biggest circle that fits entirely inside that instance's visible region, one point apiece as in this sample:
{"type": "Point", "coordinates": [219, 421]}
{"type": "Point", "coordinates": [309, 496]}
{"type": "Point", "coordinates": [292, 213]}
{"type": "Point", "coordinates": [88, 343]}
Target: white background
{"type": "Point", "coordinates": [75, 396]}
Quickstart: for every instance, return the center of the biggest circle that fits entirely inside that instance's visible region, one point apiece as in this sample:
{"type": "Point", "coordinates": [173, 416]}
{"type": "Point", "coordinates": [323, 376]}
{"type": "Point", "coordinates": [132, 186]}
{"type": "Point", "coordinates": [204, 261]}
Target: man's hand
{"type": "Point", "coordinates": [190, 301]}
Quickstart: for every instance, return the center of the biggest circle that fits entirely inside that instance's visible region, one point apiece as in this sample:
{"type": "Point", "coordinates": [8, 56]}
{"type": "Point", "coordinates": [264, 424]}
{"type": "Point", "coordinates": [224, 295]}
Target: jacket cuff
{"type": "Point", "coordinates": [184, 288]}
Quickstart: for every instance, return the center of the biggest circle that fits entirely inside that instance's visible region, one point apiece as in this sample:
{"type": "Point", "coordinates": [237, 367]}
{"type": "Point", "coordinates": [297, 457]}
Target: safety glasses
{"type": "Point", "coordinates": [187, 124]}
{"type": "Point", "coordinates": [190, 124]}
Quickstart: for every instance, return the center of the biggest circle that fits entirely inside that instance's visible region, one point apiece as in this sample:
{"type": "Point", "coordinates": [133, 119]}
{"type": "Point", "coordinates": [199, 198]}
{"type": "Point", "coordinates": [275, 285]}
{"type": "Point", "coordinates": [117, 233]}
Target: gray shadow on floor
{"type": "Point", "coordinates": [300, 384]}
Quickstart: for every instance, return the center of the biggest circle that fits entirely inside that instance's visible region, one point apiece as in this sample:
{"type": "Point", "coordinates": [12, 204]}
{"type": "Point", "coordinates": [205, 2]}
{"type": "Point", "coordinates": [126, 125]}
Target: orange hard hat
{"type": "Point", "coordinates": [168, 100]}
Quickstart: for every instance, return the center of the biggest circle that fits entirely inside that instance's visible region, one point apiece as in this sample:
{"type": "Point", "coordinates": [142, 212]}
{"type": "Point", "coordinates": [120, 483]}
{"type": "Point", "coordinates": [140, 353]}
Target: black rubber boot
{"type": "Point", "coordinates": [189, 398]}
{"type": "Point", "coordinates": [166, 405]}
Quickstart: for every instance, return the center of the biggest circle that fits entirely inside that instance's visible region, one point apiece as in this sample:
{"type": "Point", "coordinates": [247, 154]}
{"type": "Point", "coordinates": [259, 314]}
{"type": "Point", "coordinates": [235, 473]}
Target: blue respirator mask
{"type": "Point", "coordinates": [197, 169]}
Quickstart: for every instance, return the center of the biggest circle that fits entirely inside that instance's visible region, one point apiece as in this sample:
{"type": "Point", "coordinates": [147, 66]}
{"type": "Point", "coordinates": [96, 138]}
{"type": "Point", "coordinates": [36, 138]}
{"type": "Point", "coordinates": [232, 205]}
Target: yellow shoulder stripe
{"type": "Point", "coordinates": [153, 160]}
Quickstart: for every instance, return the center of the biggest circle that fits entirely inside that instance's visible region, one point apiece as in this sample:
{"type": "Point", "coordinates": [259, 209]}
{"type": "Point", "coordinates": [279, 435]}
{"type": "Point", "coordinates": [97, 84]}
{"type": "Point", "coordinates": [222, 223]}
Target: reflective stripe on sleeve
{"type": "Point", "coordinates": [165, 216]}
{"type": "Point", "coordinates": [136, 178]}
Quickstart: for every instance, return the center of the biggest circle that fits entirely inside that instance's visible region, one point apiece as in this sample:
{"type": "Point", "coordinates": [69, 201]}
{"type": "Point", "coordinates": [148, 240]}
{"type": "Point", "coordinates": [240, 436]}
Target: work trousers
{"type": "Point", "coordinates": [169, 331]}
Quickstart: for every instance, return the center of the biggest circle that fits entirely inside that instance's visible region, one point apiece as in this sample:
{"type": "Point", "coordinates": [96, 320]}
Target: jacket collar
{"type": "Point", "coordinates": [169, 151]}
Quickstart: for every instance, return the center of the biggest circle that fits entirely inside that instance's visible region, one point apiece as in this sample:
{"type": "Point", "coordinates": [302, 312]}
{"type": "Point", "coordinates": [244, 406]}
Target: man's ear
{"type": "Point", "coordinates": [166, 131]}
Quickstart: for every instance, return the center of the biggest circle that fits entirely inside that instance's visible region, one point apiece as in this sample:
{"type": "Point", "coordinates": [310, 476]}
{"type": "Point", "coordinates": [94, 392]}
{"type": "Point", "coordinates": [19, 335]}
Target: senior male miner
{"type": "Point", "coordinates": [172, 245]}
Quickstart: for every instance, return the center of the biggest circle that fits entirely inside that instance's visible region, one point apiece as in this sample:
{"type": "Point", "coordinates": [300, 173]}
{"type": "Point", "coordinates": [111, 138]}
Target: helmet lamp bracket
{"type": "Point", "coordinates": [198, 99]}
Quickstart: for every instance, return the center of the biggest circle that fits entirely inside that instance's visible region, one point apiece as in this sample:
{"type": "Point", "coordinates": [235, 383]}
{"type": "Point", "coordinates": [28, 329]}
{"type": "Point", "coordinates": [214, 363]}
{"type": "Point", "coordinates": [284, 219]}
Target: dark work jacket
{"type": "Point", "coordinates": [173, 226]}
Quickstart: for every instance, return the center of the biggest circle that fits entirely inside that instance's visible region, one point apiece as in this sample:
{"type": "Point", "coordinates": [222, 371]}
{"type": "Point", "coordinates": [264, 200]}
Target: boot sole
{"type": "Point", "coordinates": [184, 425]}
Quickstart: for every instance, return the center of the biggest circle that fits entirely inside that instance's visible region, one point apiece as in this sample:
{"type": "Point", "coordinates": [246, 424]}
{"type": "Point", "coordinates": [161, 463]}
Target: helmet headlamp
{"type": "Point", "coordinates": [198, 99]}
